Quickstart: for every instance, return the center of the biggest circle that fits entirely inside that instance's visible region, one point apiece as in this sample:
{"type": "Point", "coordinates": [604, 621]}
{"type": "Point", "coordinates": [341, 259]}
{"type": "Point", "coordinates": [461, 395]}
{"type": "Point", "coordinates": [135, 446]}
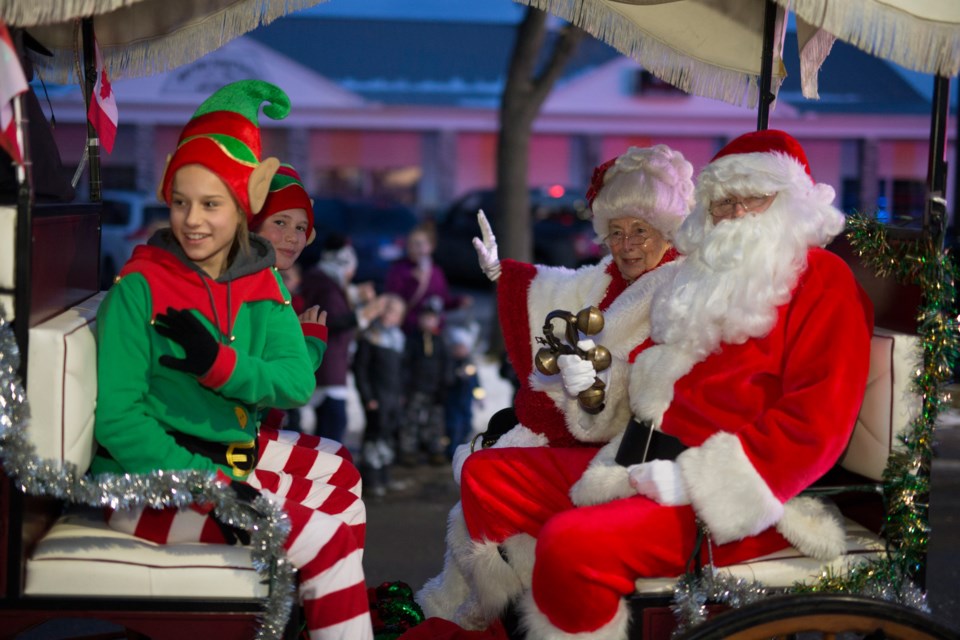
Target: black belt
{"type": "Point", "coordinates": [641, 442]}
{"type": "Point", "coordinates": [241, 457]}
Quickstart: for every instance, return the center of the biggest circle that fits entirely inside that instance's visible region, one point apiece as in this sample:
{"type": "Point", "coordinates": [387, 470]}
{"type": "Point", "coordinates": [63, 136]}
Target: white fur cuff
{"type": "Point", "coordinates": [726, 491]}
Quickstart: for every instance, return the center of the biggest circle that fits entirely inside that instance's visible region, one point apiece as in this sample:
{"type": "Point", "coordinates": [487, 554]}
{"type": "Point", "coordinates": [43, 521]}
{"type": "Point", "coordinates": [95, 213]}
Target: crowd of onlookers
{"type": "Point", "coordinates": [413, 368]}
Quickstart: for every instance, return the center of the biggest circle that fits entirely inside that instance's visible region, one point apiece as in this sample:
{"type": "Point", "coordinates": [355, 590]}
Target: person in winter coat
{"type": "Point", "coordinates": [426, 362]}
{"type": "Point", "coordinates": [350, 307]}
{"type": "Point", "coordinates": [417, 279]}
{"type": "Point", "coordinates": [378, 371]}
{"type": "Point", "coordinates": [463, 386]}
{"type": "Point", "coordinates": [197, 338]}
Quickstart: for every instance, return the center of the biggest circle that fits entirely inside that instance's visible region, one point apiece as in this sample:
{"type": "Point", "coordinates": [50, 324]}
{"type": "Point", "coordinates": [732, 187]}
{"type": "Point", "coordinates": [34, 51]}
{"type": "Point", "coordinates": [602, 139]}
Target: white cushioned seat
{"type": "Point", "coordinates": [8, 237]}
{"type": "Point", "coordinates": [788, 566]}
{"type": "Point", "coordinates": [80, 555]}
{"type": "Point", "coordinates": [889, 406]}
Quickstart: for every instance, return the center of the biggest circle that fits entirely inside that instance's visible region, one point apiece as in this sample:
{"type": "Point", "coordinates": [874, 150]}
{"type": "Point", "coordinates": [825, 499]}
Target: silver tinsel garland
{"type": "Point", "coordinates": [267, 524]}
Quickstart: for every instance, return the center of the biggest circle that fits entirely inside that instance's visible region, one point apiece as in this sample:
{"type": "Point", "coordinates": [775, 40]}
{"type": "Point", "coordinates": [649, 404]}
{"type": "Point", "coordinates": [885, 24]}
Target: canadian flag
{"type": "Point", "coordinates": [103, 105]}
{"type": "Point", "coordinates": [12, 84]}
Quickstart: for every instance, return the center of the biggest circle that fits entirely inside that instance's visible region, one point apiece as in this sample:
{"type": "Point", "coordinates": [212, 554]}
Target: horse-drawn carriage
{"type": "Point", "coordinates": [59, 560]}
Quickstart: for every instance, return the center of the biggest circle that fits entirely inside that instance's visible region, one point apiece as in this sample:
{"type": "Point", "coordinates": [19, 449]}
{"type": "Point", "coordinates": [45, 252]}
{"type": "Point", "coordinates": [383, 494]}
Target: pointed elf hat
{"type": "Point", "coordinates": [286, 192]}
{"type": "Point", "coordinates": [224, 136]}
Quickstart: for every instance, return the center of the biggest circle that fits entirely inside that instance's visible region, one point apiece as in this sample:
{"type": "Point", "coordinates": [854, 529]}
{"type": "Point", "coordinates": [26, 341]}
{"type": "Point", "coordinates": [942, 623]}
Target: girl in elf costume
{"type": "Point", "coordinates": [286, 221]}
{"type": "Point", "coordinates": [197, 337]}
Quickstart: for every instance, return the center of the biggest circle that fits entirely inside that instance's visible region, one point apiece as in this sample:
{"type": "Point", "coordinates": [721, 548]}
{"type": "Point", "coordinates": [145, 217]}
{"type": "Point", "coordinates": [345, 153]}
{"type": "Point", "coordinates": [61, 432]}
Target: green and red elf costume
{"type": "Point", "coordinates": [319, 459]}
{"type": "Point", "coordinates": [157, 409]}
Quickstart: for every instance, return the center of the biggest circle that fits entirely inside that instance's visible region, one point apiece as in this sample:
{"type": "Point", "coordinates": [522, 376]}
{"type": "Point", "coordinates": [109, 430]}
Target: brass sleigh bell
{"type": "Point", "coordinates": [591, 400]}
{"type": "Point", "coordinates": [546, 362]}
{"type": "Point", "coordinates": [590, 321]}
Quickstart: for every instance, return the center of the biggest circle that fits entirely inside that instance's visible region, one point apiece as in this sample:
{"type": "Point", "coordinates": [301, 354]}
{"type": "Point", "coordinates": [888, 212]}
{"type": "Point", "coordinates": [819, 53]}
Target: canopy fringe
{"type": "Point", "coordinates": [690, 75]}
{"type": "Point", "coordinates": [887, 32]}
{"type": "Point", "coordinates": [183, 46]}
{"type": "Point", "coordinates": [31, 13]}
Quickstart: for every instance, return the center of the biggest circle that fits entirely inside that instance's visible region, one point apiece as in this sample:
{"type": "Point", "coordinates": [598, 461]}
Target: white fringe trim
{"type": "Point", "coordinates": [890, 32]}
{"type": "Point", "coordinates": [687, 74]}
{"type": "Point", "coordinates": [149, 56]}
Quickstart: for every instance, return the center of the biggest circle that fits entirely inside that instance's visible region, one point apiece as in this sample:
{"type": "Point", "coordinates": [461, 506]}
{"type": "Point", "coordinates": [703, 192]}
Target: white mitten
{"type": "Point", "coordinates": [578, 374]}
{"type": "Point", "coordinates": [487, 249]}
{"type": "Point", "coordinates": [659, 480]}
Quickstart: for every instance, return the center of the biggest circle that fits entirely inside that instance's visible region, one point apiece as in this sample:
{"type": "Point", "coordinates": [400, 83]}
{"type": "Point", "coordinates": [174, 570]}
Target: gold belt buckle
{"type": "Point", "coordinates": [235, 458]}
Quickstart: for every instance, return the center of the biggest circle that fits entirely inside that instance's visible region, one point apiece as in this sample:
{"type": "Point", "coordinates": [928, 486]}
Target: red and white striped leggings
{"type": "Point", "coordinates": [319, 491]}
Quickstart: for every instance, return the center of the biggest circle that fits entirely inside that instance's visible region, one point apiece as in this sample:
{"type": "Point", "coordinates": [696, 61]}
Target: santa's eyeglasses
{"type": "Point", "coordinates": [750, 204]}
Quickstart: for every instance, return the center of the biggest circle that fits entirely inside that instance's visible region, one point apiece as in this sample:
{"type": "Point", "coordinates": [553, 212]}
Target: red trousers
{"type": "Point", "coordinates": [587, 558]}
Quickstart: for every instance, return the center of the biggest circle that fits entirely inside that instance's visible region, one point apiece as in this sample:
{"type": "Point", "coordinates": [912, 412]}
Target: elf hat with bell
{"type": "Point", "coordinates": [224, 136]}
{"type": "Point", "coordinates": [756, 163]}
{"type": "Point", "coordinates": [653, 184]}
{"type": "Point", "coordinates": [286, 192]}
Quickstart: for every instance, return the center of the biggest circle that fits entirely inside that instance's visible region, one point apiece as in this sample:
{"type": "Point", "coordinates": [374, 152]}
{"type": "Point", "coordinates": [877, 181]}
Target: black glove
{"type": "Point", "coordinates": [200, 348]}
{"type": "Point", "coordinates": [231, 534]}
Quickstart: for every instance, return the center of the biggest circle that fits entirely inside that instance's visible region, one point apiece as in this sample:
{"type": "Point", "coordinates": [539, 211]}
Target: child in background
{"type": "Point", "coordinates": [425, 367]}
{"type": "Point", "coordinates": [378, 372]}
{"type": "Point", "coordinates": [463, 388]}
{"type": "Point", "coordinates": [196, 338]}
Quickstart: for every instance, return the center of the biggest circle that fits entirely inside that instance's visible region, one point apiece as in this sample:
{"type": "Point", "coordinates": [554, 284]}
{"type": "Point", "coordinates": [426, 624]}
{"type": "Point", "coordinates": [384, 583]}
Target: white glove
{"type": "Point", "coordinates": [578, 374]}
{"type": "Point", "coordinates": [487, 249]}
{"type": "Point", "coordinates": [659, 480]}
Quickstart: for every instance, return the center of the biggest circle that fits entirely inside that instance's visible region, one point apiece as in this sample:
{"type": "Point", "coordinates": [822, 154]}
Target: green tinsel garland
{"type": "Point", "coordinates": [907, 475]}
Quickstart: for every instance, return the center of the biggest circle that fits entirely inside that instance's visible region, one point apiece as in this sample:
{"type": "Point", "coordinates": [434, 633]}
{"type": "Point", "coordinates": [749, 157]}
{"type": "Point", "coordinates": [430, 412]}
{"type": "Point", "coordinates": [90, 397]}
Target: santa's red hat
{"type": "Point", "coordinates": [224, 136]}
{"type": "Point", "coordinates": [286, 192]}
{"type": "Point", "coordinates": [755, 163]}
{"type": "Point", "coordinates": [653, 184]}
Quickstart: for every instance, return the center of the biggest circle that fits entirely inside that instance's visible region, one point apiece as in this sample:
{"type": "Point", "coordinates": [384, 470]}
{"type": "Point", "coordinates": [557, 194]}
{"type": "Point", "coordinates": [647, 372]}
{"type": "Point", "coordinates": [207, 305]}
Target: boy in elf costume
{"type": "Point", "coordinates": [197, 337]}
{"type": "Point", "coordinates": [286, 221]}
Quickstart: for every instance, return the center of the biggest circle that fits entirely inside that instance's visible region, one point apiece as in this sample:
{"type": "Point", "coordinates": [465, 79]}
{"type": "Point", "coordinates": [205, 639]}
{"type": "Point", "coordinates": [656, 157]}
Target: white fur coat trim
{"type": "Point", "coordinates": [726, 491]}
{"type": "Point", "coordinates": [652, 378]}
{"type": "Point", "coordinates": [815, 528]}
{"type": "Point", "coordinates": [447, 594]}
{"type": "Point", "coordinates": [626, 325]}
{"type": "Point", "coordinates": [603, 480]}
{"type": "Point", "coordinates": [538, 626]}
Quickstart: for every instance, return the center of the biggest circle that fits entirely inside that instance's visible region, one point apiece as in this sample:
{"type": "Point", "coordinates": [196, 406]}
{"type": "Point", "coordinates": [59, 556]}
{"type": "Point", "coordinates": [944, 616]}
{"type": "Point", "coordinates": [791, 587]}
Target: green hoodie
{"type": "Point", "coordinates": [262, 361]}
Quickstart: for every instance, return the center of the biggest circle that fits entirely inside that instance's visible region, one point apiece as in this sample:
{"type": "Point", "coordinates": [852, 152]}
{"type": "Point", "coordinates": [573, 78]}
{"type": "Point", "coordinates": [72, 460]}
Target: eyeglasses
{"type": "Point", "coordinates": [618, 237]}
{"type": "Point", "coordinates": [728, 206]}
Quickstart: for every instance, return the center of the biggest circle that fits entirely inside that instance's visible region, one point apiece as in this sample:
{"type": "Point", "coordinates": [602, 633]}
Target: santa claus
{"type": "Point", "coordinates": [638, 201]}
{"type": "Point", "coordinates": [757, 362]}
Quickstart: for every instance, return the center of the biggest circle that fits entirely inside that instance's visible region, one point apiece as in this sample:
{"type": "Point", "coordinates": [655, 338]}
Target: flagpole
{"type": "Point", "coordinates": [90, 79]}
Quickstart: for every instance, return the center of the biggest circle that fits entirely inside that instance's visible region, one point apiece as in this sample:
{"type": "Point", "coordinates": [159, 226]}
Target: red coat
{"type": "Point", "coordinates": [766, 418]}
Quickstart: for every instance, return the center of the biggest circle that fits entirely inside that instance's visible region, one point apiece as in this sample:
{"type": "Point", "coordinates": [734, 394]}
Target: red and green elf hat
{"type": "Point", "coordinates": [286, 192]}
{"type": "Point", "coordinates": [224, 136]}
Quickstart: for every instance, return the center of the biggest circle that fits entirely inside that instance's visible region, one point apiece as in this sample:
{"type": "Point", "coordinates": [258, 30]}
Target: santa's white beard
{"type": "Point", "coordinates": [736, 274]}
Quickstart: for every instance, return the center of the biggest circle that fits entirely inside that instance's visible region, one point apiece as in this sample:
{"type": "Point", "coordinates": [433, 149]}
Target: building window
{"type": "Point", "coordinates": [909, 200]}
